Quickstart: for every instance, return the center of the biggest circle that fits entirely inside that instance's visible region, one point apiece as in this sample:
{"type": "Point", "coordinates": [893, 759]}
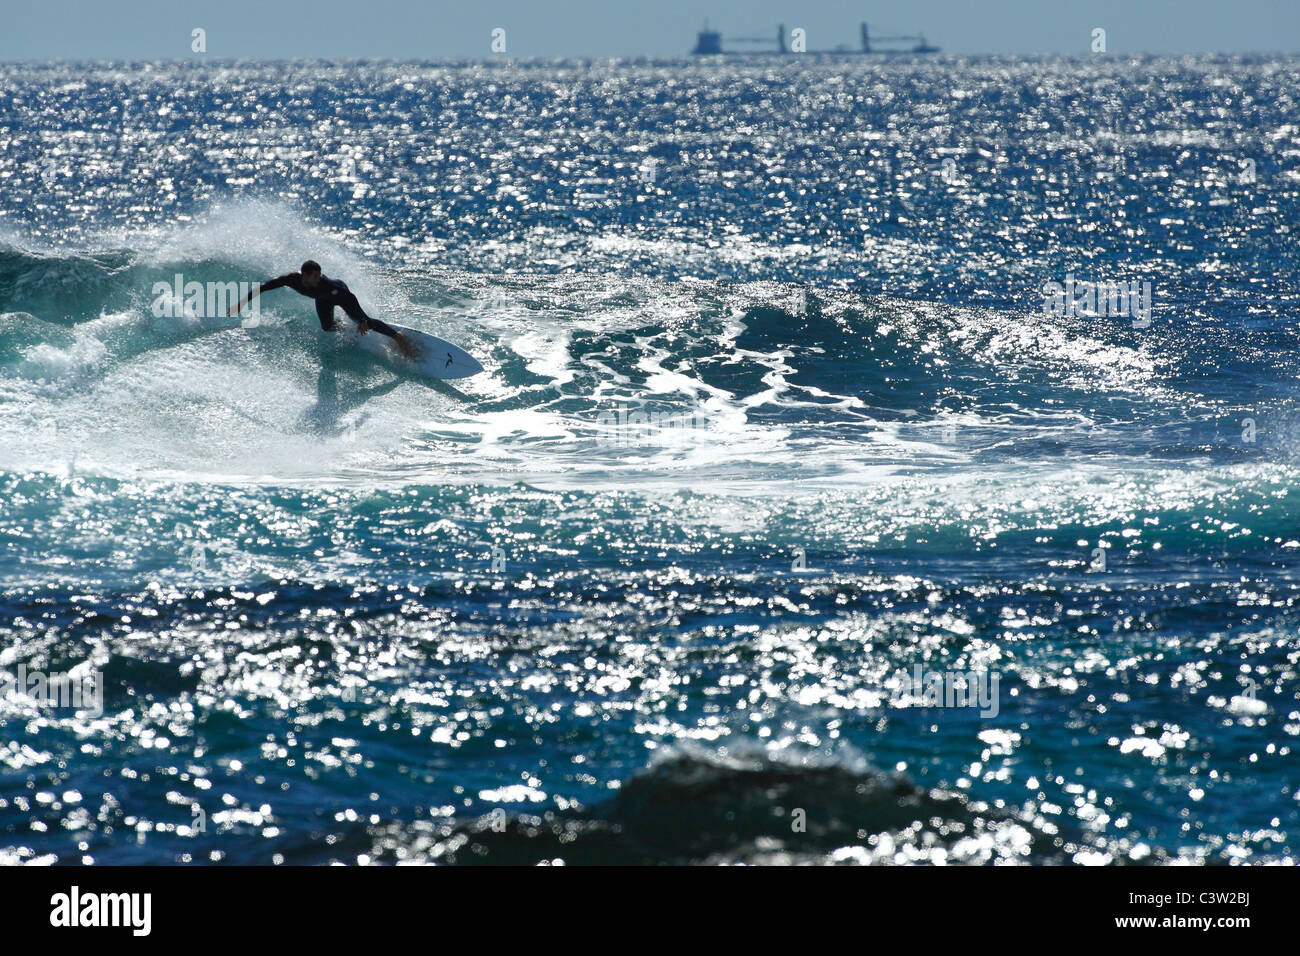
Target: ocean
{"type": "Point", "coordinates": [876, 461]}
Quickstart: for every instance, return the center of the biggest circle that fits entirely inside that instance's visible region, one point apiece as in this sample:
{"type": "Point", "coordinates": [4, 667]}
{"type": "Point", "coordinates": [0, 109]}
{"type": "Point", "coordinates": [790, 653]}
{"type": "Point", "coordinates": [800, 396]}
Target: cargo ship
{"type": "Point", "coordinates": [709, 43]}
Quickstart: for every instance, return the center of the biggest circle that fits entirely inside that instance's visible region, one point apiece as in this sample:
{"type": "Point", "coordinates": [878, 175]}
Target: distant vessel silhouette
{"type": "Point", "coordinates": [709, 43]}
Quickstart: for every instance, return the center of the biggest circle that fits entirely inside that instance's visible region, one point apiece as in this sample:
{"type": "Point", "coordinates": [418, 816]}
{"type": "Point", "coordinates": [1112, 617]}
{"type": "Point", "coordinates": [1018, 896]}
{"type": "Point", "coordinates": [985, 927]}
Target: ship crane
{"type": "Point", "coordinates": [917, 38]}
{"type": "Point", "coordinates": [780, 39]}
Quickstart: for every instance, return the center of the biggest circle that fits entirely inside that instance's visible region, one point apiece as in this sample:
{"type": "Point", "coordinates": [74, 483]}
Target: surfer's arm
{"type": "Point", "coordinates": [349, 304]}
{"type": "Point", "coordinates": [259, 288]}
{"type": "Point", "coordinates": [383, 328]}
{"type": "Point", "coordinates": [352, 307]}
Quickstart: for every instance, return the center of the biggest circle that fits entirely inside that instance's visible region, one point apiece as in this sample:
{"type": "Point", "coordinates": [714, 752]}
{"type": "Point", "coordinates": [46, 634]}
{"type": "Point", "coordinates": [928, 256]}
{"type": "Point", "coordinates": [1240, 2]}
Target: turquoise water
{"type": "Point", "coordinates": [773, 431]}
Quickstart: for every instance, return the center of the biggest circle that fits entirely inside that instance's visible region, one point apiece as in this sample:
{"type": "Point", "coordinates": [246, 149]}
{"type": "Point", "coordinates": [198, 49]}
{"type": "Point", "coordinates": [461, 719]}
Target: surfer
{"type": "Point", "coordinates": [328, 293]}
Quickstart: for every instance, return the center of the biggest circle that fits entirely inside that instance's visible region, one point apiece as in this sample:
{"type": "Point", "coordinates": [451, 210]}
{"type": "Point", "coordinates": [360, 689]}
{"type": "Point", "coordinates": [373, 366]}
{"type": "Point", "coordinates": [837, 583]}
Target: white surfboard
{"type": "Point", "coordinates": [433, 357]}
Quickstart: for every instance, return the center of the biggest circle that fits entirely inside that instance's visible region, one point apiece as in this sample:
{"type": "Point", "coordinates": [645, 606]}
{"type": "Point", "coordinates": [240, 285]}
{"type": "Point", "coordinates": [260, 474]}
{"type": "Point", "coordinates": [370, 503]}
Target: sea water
{"type": "Point", "coordinates": [875, 461]}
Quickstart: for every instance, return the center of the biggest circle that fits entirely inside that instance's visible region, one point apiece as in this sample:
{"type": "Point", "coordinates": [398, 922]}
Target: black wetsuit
{"type": "Point", "coordinates": [329, 293]}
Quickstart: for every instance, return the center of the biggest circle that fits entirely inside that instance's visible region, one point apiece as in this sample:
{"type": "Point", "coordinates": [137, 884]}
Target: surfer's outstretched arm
{"type": "Point", "coordinates": [260, 287]}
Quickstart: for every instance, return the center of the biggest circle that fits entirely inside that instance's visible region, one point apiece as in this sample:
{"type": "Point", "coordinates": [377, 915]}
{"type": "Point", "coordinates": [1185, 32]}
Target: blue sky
{"type": "Point", "coordinates": [269, 29]}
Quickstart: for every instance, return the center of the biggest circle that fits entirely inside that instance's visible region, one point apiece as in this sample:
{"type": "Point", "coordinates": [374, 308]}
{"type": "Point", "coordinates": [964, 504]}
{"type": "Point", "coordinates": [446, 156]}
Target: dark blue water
{"type": "Point", "coordinates": [776, 431]}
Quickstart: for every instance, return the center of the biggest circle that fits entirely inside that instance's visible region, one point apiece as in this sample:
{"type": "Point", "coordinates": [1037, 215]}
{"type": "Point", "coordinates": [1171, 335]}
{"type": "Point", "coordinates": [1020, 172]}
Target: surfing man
{"type": "Point", "coordinates": [328, 293]}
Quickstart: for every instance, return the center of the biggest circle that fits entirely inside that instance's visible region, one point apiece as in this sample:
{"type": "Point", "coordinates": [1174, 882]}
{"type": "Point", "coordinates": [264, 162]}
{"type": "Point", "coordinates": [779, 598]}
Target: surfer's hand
{"type": "Point", "coordinates": [362, 326]}
{"type": "Point", "coordinates": [403, 344]}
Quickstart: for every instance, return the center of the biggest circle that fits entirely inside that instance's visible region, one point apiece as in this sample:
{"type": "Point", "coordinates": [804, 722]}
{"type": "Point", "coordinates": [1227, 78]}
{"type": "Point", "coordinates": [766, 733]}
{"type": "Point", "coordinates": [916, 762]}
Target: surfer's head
{"type": "Point", "coordinates": [310, 273]}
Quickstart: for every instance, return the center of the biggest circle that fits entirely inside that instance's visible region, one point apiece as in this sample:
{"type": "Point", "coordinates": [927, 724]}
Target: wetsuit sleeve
{"type": "Point", "coordinates": [275, 283]}
{"type": "Point", "coordinates": [348, 302]}
{"type": "Point", "coordinates": [383, 328]}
